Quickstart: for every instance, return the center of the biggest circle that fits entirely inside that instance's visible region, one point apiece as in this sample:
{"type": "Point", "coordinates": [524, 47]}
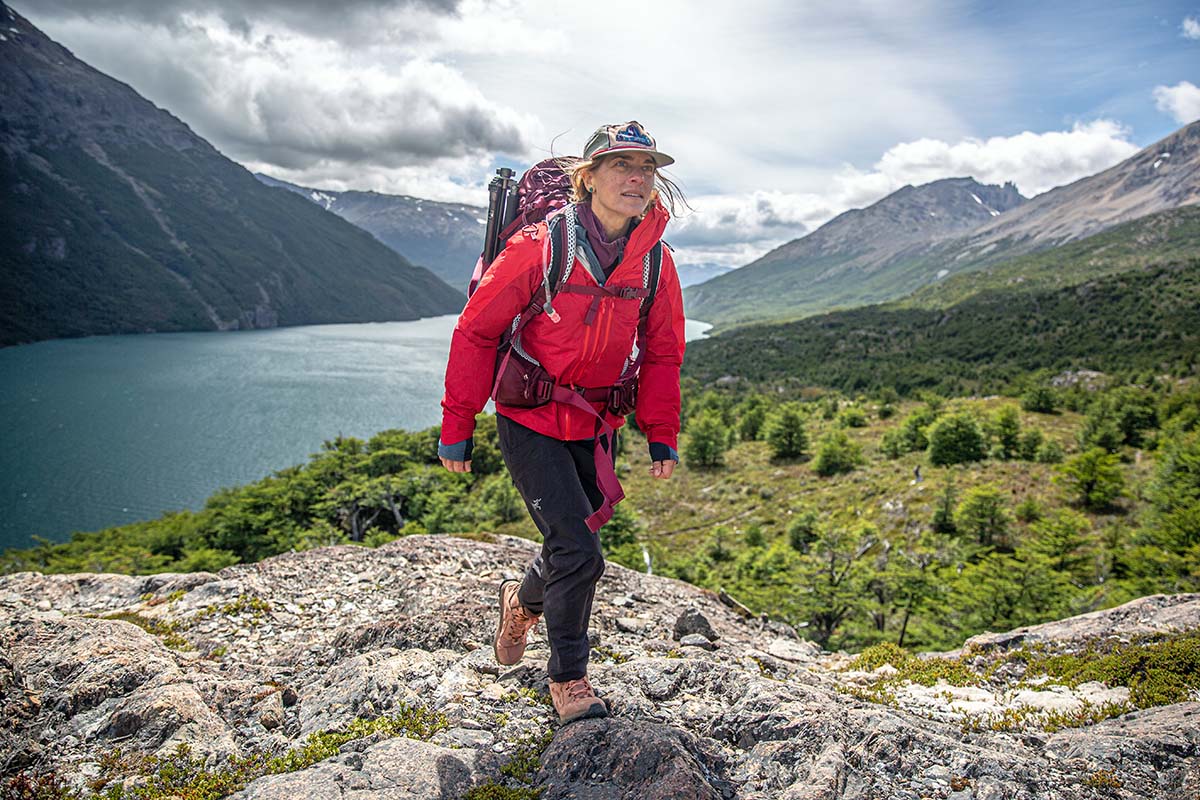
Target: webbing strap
{"type": "Point", "coordinates": [606, 473]}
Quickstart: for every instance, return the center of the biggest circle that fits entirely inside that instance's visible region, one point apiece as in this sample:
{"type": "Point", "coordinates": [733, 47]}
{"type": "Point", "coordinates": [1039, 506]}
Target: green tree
{"type": "Point", "coordinates": [1063, 537]}
{"type": "Point", "coordinates": [836, 453]}
{"type": "Point", "coordinates": [1040, 399]}
{"type": "Point", "coordinates": [706, 440]}
{"type": "Point", "coordinates": [835, 574]}
{"type": "Point", "coordinates": [1031, 442]}
{"type": "Point", "coordinates": [1093, 477]}
{"type": "Point", "coordinates": [852, 417]}
{"type": "Point", "coordinates": [1006, 428]}
{"type": "Point", "coordinates": [785, 433]}
{"type": "Point", "coordinates": [1101, 428]}
{"type": "Point", "coordinates": [751, 414]}
{"type": "Point", "coordinates": [956, 439]}
{"type": "Point", "coordinates": [1174, 495]}
{"type": "Point", "coordinates": [914, 429]}
{"type": "Point", "coordinates": [802, 530]}
{"type": "Point", "coordinates": [982, 516]}
{"type": "Point", "coordinates": [943, 514]}
{"type": "Point", "coordinates": [499, 501]}
{"type": "Point", "coordinates": [1049, 452]}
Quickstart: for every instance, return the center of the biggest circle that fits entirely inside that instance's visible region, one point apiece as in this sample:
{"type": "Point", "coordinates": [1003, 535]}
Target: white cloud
{"type": "Point", "coordinates": [1181, 101]}
{"type": "Point", "coordinates": [769, 113]}
{"type": "Point", "coordinates": [1035, 162]}
{"type": "Point", "coordinates": [310, 110]}
{"type": "Point", "coordinates": [1191, 28]}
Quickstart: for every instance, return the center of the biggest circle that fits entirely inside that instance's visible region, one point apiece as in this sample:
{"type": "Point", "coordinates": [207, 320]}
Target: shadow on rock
{"type": "Point", "coordinates": [612, 759]}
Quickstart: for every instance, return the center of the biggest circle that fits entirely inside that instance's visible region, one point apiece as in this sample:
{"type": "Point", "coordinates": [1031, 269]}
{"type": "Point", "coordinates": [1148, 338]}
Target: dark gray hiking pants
{"type": "Point", "coordinates": [557, 480]}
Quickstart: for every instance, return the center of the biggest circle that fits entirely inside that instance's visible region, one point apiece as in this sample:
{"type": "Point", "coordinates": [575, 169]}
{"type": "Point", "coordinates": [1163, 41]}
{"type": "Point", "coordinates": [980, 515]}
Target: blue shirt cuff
{"type": "Point", "coordinates": [459, 451]}
{"type": "Point", "coordinates": [663, 452]}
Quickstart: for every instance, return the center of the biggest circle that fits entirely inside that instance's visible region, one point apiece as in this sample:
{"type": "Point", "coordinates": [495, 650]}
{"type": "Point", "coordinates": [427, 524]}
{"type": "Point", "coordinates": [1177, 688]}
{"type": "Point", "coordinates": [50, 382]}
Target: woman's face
{"type": "Point", "coordinates": [623, 183]}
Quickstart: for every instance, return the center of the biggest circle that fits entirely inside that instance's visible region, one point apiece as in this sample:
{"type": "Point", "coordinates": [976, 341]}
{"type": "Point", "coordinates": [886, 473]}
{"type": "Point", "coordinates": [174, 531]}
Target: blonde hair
{"type": "Point", "coordinates": [578, 169]}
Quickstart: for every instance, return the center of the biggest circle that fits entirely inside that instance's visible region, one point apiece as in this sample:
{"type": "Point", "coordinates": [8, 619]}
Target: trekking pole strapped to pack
{"type": "Point", "coordinates": [502, 209]}
{"type": "Point", "coordinates": [542, 190]}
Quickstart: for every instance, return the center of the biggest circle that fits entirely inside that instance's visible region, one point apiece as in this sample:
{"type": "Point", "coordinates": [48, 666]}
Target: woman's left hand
{"type": "Point", "coordinates": [662, 469]}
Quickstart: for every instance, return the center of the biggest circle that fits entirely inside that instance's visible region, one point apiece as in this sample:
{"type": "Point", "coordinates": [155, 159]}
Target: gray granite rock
{"type": "Point", "coordinates": [255, 659]}
{"type": "Point", "coordinates": [693, 621]}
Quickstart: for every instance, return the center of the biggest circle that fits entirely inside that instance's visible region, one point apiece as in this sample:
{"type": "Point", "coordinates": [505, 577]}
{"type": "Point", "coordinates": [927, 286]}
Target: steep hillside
{"type": "Point", "coordinates": [445, 237]}
{"type": "Point", "coordinates": [119, 219]}
{"type": "Point", "coordinates": [806, 277]}
{"type": "Point", "coordinates": [851, 259]}
{"type": "Point", "coordinates": [1143, 319]}
{"type": "Point", "coordinates": [345, 672]}
{"type": "Point", "coordinates": [1164, 237]}
{"type": "Point", "coordinates": [1163, 176]}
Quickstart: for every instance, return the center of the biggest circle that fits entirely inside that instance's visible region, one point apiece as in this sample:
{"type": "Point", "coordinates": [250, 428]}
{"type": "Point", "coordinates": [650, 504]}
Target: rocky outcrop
{"type": "Point", "coordinates": [259, 657]}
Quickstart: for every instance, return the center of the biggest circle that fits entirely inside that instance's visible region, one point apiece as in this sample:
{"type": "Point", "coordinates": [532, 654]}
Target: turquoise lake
{"type": "Point", "coordinates": [107, 430]}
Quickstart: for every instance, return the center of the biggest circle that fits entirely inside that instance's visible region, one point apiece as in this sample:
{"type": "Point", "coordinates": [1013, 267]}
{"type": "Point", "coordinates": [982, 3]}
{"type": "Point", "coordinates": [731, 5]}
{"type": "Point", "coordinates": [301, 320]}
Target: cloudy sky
{"type": "Point", "coordinates": [780, 114]}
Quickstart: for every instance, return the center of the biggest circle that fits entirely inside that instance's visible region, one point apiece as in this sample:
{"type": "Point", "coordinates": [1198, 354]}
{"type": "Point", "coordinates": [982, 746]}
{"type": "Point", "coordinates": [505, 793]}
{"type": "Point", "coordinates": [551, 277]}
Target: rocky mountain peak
{"type": "Point", "coordinates": [377, 661]}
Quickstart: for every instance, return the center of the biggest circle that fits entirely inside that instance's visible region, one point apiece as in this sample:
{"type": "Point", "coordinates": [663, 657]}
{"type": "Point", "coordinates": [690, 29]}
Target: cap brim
{"type": "Point", "coordinates": [660, 159]}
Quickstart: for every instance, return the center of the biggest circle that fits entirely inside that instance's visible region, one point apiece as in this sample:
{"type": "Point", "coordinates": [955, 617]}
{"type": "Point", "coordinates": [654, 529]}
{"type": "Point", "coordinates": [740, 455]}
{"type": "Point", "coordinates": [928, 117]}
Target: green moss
{"type": "Point", "coordinates": [1157, 672]}
{"type": "Point", "coordinates": [517, 774]}
{"type": "Point", "coordinates": [245, 603]}
{"type": "Point", "coordinates": [876, 656]}
{"type": "Point", "coordinates": [910, 669]}
{"type": "Point", "coordinates": [167, 631]}
{"type": "Point", "coordinates": [180, 775]}
{"type": "Point", "coordinates": [603, 654]}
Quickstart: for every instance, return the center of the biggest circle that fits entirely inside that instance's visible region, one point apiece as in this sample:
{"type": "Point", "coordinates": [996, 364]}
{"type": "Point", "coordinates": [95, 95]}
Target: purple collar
{"type": "Point", "coordinates": [607, 253]}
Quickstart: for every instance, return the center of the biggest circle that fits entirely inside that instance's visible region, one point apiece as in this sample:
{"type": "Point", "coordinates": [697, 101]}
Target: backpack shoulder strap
{"type": "Point", "coordinates": [563, 241]}
{"type": "Point", "coordinates": [652, 271]}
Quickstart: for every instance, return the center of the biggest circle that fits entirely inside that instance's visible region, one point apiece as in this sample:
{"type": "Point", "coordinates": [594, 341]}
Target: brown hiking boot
{"type": "Point", "coordinates": [515, 624]}
{"type": "Point", "coordinates": [576, 700]}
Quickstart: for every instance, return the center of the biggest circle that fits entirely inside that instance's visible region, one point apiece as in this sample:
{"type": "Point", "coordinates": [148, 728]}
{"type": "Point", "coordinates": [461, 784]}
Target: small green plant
{"type": "Point", "coordinates": [517, 774]}
{"type": "Point", "coordinates": [606, 654]}
{"type": "Point", "coordinates": [180, 774]}
{"type": "Point", "coordinates": [876, 656]}
{"type": "Point", "coordinates": [36, 786]}
{"type": "Point", "coordinates": [167, 631]}
{"type": "Point", "coordinates": [1103, 779]}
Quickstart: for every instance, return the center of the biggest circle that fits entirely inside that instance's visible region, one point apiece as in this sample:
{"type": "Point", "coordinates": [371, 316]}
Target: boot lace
{"type": "Point", "coordinates": [519, 623]}
{"type": "Point", "coordinates": [579, 689]}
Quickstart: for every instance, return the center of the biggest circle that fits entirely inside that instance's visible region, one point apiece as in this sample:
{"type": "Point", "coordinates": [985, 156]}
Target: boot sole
{"type": "Point", "coordinates": [594, 711]}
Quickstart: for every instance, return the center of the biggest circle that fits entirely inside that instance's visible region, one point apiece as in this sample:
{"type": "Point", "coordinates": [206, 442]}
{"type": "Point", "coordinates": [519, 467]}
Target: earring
{"type": "Point", "coordinates": [591, 189]}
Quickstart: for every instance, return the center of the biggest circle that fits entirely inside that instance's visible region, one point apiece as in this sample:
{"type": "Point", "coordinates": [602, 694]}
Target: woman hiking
{"type": "Point", "coordinates": [560, 454]}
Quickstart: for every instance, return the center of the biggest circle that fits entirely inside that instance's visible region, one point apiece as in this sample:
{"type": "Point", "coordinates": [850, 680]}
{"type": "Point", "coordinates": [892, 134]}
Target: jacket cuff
{"type": "Point", "coordinates": [459, 451]}
{"type": "Point", "coordinates": [663, 452]}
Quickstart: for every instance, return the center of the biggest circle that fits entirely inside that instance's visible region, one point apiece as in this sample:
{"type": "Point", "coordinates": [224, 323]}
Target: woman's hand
{"type": "Point", "coordinates": [662, 469]}
{"type": "Point", "coordinates": [456, 466]}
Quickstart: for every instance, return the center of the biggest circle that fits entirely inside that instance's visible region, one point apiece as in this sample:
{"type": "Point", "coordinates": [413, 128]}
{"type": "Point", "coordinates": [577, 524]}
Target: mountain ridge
{"type": "Point", "coordinates": [123, 220]}
{"type": "Point", "coordinates": [1161, 176]}
{"type": "Point", "coordinates": [847, 259]}
{"type": "Point", "coordinates": [446, 238]}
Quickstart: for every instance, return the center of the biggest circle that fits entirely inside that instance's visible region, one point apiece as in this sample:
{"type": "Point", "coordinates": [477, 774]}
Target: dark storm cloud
{"type": "Point", "coordinates": [313, 17]}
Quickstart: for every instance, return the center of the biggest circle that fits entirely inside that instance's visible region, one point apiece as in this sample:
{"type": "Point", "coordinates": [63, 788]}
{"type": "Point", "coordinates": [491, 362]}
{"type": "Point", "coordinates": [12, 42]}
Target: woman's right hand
{"type": "Point", "coordinates": [456, 466]}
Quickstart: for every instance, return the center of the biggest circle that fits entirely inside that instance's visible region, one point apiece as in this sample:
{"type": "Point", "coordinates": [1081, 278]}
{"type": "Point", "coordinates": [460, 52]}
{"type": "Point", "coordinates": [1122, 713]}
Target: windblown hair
{"type": "Point", "coordinates": [577, 170]}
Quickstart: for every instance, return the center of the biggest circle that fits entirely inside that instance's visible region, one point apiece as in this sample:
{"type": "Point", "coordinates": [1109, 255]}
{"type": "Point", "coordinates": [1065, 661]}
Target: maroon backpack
{"type": "Point", "coordinates": [543, 189]}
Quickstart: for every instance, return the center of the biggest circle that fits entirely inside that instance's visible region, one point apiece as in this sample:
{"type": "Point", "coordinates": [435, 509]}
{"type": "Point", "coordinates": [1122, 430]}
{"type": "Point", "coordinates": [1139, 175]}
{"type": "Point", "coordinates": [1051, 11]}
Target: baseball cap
{"type": "Point", "coordinates": [624, 137]}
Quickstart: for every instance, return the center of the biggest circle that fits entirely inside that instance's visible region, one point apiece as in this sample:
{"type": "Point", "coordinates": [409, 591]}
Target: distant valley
{"type": "Point", "coordinates": [444, 237]}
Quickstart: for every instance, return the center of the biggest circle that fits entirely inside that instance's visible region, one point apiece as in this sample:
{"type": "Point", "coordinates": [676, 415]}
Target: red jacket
{"type": "Point", "coordinates": [574, 353]}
